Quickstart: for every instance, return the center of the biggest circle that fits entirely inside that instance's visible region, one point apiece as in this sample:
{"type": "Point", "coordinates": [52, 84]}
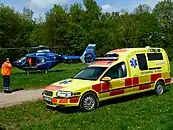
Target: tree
{"type": "Point", "coordinates": [76, 26]}
{"type": "Point", "coordinates": [146, 26]}
{"type": "Point", "coordinates": [56, 27]}
{"type": "Point", "coordinates": [14, 31]}
{"type": "Point", "coordinates": [164, 13]}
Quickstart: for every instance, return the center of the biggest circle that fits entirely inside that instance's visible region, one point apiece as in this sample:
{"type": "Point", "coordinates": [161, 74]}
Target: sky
{"type": "Point", "coordinates": [41, 6]}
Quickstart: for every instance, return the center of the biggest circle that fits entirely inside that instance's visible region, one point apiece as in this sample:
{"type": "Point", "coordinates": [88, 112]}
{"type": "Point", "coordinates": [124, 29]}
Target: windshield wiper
{"type": "Point", "coordinates": [84, 78]}
{"type": "Point", "coordinates": [80, 78]}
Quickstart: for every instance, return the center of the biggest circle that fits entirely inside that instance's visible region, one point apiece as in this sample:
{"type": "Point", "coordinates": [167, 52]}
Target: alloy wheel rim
{"type": "Point", "coordinates": [160, 89]}
{"type": "Point", "coordinates": [89, 103]}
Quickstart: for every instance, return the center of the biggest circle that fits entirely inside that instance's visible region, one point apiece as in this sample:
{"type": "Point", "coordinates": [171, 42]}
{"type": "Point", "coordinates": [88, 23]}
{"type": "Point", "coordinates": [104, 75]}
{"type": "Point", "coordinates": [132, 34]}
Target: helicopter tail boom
{"type": "Point", "coordinates": [87, 57]}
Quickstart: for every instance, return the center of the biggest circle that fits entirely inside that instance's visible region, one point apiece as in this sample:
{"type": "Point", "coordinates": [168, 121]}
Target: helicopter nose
{"type": "Point", "coordinates": [17, 63]}
{"type": "Point", "coordinates": [14, 63]}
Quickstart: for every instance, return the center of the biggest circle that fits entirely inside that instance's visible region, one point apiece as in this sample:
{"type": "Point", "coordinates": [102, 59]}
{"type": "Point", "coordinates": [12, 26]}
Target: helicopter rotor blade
{"type": "Point", "coordinates": [39, 47]}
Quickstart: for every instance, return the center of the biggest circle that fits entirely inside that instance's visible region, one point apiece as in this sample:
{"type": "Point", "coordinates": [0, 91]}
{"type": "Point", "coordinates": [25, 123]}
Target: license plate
{"type": "Point", "coordinates": [47, 99]}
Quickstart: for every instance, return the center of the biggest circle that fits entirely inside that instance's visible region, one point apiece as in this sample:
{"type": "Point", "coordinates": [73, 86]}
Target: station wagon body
{"type": "Point", "coordinates": [119, 73]}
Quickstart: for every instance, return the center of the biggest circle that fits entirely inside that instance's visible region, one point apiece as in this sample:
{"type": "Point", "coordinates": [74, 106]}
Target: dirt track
{"type": "Point", "coordinates": [18, 97]}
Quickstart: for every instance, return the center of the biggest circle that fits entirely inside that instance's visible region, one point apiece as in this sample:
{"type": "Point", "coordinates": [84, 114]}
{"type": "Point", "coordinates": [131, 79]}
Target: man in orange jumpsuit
{"type": "Point", "coordinates": [6, 72]}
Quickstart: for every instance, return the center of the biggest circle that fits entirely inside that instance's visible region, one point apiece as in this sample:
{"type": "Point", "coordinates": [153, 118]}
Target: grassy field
{"type": "Point", "coordinates": [143, 111]}
{"type": "Point", "coordinates": [19, 78]}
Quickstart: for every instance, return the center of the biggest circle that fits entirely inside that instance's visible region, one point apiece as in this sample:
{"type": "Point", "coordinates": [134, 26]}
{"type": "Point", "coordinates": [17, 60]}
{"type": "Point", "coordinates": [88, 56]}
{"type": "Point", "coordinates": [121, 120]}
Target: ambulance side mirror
{"type": "Point", "coordinates": [106, 79]}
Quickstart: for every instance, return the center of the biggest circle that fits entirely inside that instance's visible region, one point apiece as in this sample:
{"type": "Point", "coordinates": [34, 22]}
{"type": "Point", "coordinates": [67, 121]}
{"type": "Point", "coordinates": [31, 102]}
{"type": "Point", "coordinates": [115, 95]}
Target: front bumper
{"type": "Point", "coordinates": [65, 102]}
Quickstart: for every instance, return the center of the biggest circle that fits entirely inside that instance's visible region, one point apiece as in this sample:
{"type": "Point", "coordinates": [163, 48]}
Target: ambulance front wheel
{"type": "Point", "coordinates": [159, 88]}
{"type": "Point", "coordinates": [88, 102]}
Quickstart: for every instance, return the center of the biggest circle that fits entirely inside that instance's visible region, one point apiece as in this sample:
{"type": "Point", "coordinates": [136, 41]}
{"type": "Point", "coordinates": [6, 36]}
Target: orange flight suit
{"type": "Point", "coordinates": [6, 72]}
{"type": "Point", "coordinates": [6, 68]}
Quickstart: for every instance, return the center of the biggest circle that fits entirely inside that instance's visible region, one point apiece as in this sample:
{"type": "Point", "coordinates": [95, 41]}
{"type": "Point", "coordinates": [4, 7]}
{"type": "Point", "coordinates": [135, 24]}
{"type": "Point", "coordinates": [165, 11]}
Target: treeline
{"type": "Point", "coordinates": [75, 27]}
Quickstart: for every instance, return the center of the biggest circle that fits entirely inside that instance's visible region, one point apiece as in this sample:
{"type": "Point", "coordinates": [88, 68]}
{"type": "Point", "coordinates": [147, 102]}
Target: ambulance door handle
{"type": "Point", "coordinates": [121, 81]}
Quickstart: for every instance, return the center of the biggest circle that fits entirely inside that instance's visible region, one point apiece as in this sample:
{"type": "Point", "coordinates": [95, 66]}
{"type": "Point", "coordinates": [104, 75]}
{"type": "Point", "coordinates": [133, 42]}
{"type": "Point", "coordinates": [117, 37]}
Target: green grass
{"type": "Point", "coordinates": [19, 78]}
{"type": "Point", "coordinates": [143, 111]}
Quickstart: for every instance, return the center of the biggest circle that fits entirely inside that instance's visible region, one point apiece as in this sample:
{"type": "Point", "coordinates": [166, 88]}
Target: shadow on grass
{"type": "Point", "coordinates": [17, 89]}
{"type": "Point", "coordinates": [129, 98]}
{"type": "Point", "coordinates": [126, 98]}
{"type": "Point", "coordinates": [70, 110]}
{"type": "Point", "coordinates": [38, 72]}
{"type": "Point", "coordinates": [66, 110]}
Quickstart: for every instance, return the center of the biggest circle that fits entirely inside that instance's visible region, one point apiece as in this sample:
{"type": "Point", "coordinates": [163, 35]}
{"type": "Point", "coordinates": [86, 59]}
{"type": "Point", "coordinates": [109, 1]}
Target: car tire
{"type": "Point", "coordinates": [159, 88]}
{"type": "Point", "coordinates": [88, 102]}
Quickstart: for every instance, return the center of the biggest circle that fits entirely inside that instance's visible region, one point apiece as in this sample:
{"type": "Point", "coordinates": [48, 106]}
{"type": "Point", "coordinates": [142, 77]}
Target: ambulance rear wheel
{"type": "Point", "coordinates": [88, 102]}
{"type": "Point", "coordinates": [159, 88]}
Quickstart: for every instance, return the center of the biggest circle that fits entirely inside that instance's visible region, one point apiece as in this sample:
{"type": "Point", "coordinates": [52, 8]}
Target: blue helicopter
{"type": "Point", "coordinates": [45, 60]}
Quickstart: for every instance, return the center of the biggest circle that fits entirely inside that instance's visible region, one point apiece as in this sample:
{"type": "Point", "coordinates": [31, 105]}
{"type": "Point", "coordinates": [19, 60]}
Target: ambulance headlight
{"type": "Point", "coordinates": [65, 94]}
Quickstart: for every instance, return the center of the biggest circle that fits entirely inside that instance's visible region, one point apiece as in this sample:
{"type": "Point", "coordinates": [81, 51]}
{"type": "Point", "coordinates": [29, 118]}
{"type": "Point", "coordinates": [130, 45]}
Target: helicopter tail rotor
{"type": "Point", "coordinates": [88, 55]}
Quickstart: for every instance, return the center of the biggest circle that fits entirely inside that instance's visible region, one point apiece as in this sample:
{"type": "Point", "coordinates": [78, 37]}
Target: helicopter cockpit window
{"type": "Point", "coordinates": [22, 59]}
{"type": "Point", "coordinates": [31, 61]}
{"type": "Point", "coordinates": [40, 60]}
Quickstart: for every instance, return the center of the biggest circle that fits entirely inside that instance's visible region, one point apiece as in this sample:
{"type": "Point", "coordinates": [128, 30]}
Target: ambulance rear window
{"type": "Point", "coordinates": [155, 56]}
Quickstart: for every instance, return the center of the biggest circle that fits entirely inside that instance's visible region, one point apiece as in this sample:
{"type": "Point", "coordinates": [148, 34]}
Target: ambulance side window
{"type": "Point", "coordinates": [117, 71]}
{"type": "Point", "coordinates": [142, 61]}
{"type": "Point", "coordinates": [155, 56]}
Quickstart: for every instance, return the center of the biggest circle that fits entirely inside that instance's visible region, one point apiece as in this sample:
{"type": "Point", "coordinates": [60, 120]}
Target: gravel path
{"type": "Point", "coordinates": [18, 97]}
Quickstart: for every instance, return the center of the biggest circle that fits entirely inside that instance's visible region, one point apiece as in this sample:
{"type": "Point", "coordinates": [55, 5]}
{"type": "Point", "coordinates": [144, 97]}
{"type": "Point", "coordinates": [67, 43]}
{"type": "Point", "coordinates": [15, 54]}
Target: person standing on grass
{"type": "Point", "coordinates": [6, 72]}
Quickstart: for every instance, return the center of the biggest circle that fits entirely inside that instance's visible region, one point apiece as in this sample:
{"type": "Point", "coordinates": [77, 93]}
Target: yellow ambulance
{"type": "Point", "coordinates": [119, 73]}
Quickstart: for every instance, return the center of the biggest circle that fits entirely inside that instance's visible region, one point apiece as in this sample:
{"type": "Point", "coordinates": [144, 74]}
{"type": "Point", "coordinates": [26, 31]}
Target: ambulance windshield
{"type": "Point", "coordinates": [90, 73]}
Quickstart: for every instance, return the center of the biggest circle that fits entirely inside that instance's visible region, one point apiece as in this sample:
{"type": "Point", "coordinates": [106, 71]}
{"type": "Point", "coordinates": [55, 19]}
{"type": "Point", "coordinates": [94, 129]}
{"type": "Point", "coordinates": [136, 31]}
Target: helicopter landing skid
{"type": "Point", "coordinates": [30, 71]}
